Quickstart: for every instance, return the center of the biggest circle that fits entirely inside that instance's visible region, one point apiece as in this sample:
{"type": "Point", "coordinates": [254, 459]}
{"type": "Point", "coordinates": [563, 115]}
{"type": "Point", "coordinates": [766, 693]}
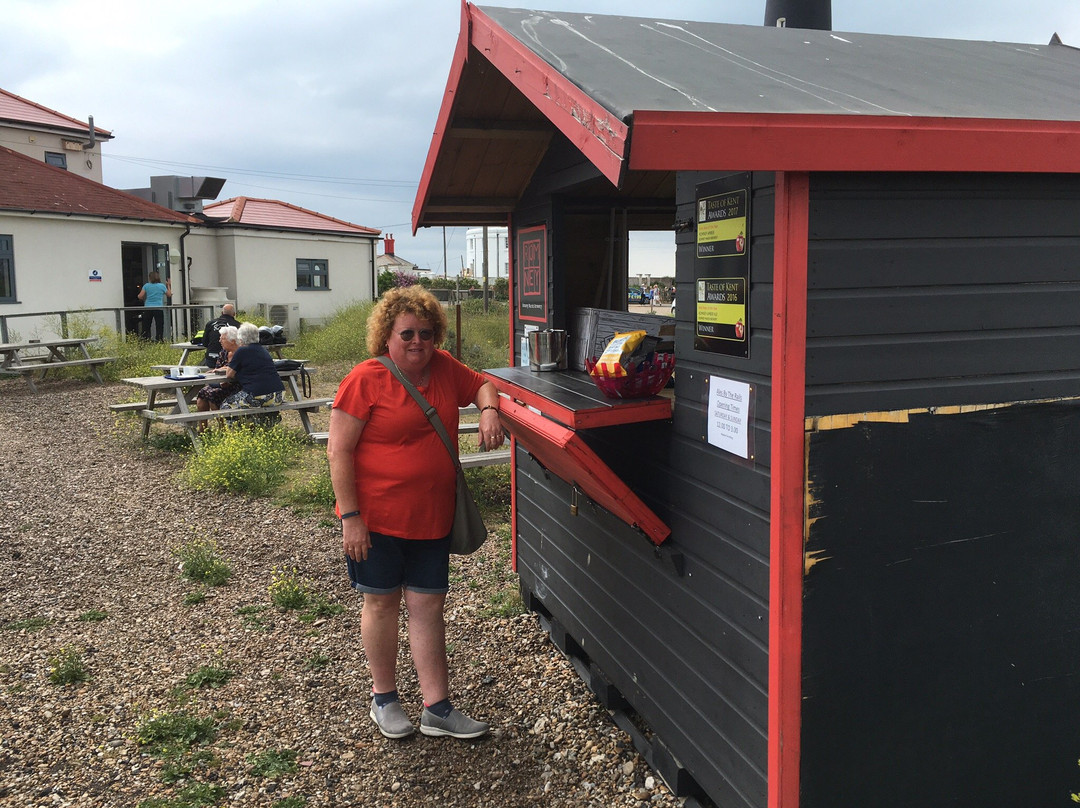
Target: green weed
{"type": "Point", "coordinates": [67, 667]}
{"type": "Point", "coordinates": [195, 795]}
{"type": "Point", "coordinates": [201, 562]}
{"type": "Point", "coordinates": [28, 624]}
{"type": "Point", "coordinates": [289, 591]}
{"type": "Point", "coordinates": [316, 662]}
{"type": "Point", "coordinates": [290, 802]}
{"type": "Point", "coordinates": [93, 616]}
{"type": "Point", "coordinates": [169, 733]}
{"type": "Point", "coordinates": [208, 676]}
{"type": "Point", "coordinates": [272, 762]}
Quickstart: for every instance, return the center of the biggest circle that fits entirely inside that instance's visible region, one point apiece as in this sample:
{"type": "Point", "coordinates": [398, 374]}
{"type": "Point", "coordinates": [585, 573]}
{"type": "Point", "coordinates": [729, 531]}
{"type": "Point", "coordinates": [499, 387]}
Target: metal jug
{"type": "Point", "coordinates": [547, 350]}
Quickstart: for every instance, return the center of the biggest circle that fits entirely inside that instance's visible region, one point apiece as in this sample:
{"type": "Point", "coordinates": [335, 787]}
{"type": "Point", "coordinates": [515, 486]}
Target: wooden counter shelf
{"type": "Point", "coordinates": [572, 399]}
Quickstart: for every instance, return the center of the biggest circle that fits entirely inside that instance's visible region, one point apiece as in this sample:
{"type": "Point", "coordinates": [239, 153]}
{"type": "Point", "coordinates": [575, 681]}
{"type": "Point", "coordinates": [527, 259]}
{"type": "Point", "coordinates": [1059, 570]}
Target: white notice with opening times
{"type": "Point", "coordinates": [729, 415]}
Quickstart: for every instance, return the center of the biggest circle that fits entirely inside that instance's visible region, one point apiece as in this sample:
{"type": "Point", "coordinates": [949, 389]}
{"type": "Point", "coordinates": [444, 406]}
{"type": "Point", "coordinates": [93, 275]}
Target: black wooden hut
{"type": "Point", "coordinates": [840, 564]}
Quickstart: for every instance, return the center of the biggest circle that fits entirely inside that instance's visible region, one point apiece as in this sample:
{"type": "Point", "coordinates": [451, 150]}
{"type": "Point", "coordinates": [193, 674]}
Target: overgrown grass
{"type": "Point", "coordinates": [342, 339]}
{"type": "Point", "coordinates": [242, 460]}
{"type": "Point", "coordinates": [490, 487]}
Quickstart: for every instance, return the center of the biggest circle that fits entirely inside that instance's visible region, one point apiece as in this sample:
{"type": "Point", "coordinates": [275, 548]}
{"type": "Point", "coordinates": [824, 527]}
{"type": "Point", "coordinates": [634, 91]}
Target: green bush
{"type": "Point", "coordinates": [241, 460]}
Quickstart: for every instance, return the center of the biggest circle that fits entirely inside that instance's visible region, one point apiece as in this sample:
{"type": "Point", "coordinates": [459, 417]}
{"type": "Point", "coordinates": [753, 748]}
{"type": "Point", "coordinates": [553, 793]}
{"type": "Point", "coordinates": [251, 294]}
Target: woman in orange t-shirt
{"type": "Point", "coordinates": [395, 487]}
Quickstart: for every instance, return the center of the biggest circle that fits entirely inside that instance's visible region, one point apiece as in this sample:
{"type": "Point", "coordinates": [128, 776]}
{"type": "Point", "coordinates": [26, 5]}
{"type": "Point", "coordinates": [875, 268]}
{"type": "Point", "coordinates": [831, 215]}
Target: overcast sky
{"type": "Point", "coordinates": [330, 104]}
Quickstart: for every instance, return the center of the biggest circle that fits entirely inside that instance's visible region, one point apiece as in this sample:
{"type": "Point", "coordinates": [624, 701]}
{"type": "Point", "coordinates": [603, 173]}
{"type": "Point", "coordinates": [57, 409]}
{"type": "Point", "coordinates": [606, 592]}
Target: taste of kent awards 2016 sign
{"type": "Point", "coordinates": [722, 266]}
{"type": "Point", "coordinates": [532, 276]}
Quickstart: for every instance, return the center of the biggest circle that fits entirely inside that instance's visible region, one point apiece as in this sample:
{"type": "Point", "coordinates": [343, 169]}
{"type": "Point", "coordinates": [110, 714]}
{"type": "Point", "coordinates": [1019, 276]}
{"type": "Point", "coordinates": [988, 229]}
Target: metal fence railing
{"type": "Point", "coordinates": [180, 322]}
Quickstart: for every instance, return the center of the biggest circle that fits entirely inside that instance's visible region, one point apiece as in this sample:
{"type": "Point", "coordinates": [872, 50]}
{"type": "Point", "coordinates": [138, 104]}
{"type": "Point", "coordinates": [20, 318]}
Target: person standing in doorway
{"type": "Point", "coordinates": [212, 334]}
{"type": "Point", "coordinates": [153, 295]}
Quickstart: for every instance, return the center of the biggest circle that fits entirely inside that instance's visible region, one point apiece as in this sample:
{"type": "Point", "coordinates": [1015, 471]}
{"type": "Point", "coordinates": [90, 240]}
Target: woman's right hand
{"type": "Point", "coordinates": [355, 538]}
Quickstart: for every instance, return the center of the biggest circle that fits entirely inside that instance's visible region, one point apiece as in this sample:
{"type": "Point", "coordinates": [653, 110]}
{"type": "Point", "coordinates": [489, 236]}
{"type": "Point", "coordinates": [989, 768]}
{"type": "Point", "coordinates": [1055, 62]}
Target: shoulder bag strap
{"type": "Point", "coordinates": [431, 413]}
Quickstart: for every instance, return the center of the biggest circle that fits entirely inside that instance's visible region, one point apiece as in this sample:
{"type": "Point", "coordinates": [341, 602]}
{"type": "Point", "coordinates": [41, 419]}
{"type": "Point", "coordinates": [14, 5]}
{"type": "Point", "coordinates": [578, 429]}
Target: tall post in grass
{"type": "Point", "coordinates": [457, 330]}
{"type": "Point", "coordinates": [485, 269]}
{"type": "Point", "coordinates": [444, 267]}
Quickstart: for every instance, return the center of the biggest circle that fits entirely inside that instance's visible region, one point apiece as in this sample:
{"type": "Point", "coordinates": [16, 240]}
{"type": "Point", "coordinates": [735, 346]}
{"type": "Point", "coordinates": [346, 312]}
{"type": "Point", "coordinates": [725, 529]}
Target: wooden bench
{"type": "Point", "coordinates": [188, 420]}
{"type": "Point", "coordinates": [495, 457]}
{"type": "Point", "coordinates": [306, 405]}
{"type": "Point", "coordinates": [32, 365]}
{"type": "Point", "coordinates": [135, 406]}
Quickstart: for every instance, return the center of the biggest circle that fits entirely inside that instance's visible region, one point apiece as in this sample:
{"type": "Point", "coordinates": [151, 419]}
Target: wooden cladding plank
{"type": "Point", "coordinates": [941, 356]}
{"type": "Point", "coordinates": [942, 264]}
{"type": "Point", "coordinates": [944, 310]}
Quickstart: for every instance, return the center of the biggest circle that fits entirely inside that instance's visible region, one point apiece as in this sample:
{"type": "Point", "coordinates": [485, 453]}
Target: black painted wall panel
{"type": "Point", "coordinates": [695, 678]}
{"type": "Point", "coordinates": [940, 621]}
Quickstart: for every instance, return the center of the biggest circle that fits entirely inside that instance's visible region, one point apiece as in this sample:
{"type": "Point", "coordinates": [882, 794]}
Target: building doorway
{"type": "Point", "coordinates": [138, 261]}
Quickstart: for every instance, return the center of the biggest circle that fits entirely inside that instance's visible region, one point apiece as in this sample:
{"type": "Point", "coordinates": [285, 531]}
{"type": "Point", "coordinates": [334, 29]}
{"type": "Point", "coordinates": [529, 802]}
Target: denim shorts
{"type": "Point", "coordinates": [422, 565]}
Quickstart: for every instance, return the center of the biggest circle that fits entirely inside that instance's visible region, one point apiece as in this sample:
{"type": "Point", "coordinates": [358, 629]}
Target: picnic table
{"type": "Point", "coordinates": [40, 356]}
{"type": "Point", "coordinates": [189, 348]}
{"type": "Point", "coordinates": [183, 391]}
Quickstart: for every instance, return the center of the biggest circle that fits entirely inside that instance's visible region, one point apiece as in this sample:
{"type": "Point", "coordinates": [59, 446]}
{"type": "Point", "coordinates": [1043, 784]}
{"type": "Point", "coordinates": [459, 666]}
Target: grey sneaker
{"type": "Point", "coordinates": [391, 720]}
{"type": "Point", "coordinates": [456, 725]}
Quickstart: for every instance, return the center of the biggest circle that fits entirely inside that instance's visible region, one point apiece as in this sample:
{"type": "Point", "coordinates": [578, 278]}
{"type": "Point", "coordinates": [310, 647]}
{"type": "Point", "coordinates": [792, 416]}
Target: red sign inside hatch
{"type": "Point", "coordinates": [532, 275]}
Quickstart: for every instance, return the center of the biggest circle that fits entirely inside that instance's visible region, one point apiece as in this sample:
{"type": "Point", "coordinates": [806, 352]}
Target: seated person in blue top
{"type": "Point", "coordinates": [211, 396]}
{"type": "Point", "coordinates": [252, 367]}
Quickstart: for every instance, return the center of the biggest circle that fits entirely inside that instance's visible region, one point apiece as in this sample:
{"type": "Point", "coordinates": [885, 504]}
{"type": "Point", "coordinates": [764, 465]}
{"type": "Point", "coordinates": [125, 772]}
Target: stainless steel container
{"type": "Point", "coordinates": [547, 350]}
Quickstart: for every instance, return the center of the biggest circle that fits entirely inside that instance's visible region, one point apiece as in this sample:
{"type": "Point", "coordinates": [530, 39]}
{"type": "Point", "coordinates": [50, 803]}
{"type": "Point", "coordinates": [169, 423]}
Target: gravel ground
{"type": "Point", "coordinates": [89, 520]}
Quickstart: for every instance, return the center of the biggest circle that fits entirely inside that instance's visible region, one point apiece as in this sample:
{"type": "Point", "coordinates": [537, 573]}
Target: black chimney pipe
{"type": "Point", "coordinates": [799, 14]}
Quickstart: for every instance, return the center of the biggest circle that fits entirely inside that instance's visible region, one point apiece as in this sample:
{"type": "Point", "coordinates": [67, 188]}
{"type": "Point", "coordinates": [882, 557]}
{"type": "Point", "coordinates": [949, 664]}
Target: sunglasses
{"type": "Point", "coordinates": [426, 334]}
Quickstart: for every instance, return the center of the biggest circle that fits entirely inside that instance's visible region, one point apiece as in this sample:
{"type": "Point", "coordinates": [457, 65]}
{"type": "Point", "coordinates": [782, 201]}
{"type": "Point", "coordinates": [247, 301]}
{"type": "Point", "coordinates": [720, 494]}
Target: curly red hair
{"type": "Point", "coordinates": [415, 300]}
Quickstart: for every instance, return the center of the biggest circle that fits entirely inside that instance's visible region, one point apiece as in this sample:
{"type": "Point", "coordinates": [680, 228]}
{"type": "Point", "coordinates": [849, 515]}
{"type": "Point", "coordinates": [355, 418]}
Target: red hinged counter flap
{"type": "Point", "coordinates": [565, 454]}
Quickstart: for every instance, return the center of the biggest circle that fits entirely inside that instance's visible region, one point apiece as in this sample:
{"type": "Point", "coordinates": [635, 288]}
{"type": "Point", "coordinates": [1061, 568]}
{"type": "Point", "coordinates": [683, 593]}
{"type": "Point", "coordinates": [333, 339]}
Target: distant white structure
{"type": "Point", "coordinates": [498, 253]}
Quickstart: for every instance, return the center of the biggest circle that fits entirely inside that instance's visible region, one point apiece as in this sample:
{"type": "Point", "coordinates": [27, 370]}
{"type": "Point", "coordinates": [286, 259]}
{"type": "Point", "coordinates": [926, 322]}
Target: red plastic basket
{"type": "Point", "coordinates": [647, 378]}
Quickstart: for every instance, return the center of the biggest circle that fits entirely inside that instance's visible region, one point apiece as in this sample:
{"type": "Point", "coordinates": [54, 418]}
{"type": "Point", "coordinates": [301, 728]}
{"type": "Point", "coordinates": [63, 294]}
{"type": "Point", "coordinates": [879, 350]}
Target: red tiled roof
{"type": "Point", "coordinates": [18, 110]}
{"type": "Point", "coordinates": [280, 215]}
{"type": "Point", "coordinates": [30, 185]}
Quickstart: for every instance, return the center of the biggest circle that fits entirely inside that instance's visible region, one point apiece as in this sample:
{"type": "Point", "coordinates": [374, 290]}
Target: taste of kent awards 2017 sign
{"type": "Point", "coordinates": [532, 276]}
{"type": "Point", "coordinates": [722, 266]}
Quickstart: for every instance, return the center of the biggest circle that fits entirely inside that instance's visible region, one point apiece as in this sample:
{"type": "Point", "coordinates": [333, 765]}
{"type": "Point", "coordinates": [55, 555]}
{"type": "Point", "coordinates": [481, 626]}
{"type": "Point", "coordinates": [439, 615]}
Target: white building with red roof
{"type": "Point", "coordinates": [274, 254]}
{"type": "Point", "coordinates": [69, 242]}
{"type": "Point", "coordinates": [49, 136]}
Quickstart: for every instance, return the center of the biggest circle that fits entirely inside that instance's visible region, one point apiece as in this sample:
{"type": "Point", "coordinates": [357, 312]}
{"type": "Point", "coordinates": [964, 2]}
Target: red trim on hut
{"type": "Point", "coordinates": [787, 494]}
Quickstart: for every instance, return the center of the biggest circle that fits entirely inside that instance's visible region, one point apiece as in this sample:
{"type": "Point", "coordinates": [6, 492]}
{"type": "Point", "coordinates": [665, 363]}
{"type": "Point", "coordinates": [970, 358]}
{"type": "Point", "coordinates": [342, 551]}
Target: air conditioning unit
{"type": "Point", "coordinates": [287, 315]}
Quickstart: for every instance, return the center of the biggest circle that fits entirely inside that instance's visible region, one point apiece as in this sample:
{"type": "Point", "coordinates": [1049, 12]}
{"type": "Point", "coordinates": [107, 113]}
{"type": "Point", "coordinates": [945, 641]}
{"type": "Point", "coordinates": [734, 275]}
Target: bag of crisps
{"type": "Point", "coordinates": [612, 362]}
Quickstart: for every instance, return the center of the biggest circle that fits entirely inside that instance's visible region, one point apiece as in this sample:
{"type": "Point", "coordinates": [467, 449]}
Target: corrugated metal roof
{"type": "Point", "coordinates": [31, 186]}
{"type": "Point", "coordinates": [272, 213]}
{"type": "Point", "coordinates": [17, 110]}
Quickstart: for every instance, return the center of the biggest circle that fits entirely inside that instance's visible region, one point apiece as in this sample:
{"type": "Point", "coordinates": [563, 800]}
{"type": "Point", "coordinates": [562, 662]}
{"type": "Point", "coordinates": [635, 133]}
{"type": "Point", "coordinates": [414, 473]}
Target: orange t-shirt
{"type": "Point", "coordinates": [405, 479]}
